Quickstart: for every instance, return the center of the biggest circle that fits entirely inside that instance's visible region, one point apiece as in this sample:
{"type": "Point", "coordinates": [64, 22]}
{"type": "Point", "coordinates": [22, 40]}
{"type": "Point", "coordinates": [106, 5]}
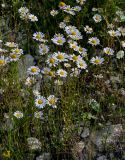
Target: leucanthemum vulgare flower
{"type": "Point", "coordinates": [43, 49]}
{"type": "Point", "coordinates": [40, 102]}
{"type": "Point", "coordinates": [120, 54]}
{"type": "Point", "coordinates": [76, 8]}
{"type": "Point", "coordinates": [62, 73]}
{"type": "Point", "coordinates": [97, 60]}
{"type": "Point", "coordinates": [75, 58]}
{"type": "Point", "coordinates": [67, 65]}
{"type": "Point", "coordinates": [88, 29]}
{"type": "Point", "coordinates": [52, 100]}
{"type": "Point", "coordinates": [38, 114]}
{"type": "Point", "coordinates": [82, 51]}
{"type": "Point", "coordinates": [81, 64]}
{"type": "Point", "coordinates": [51, 61]}
{"type": "Point", "coordinates": [73, 32]}
{"type": "Point", "coordinates": [3, 50]}
{"type": "Point", "coordinates": [123, 44]}
{"type": "Point", "coordinates": [114, 33]}
{"type": "Point", "coordinates": [94, 41]}
{"type": "Point", "coordinates": [69, 10]}
{"type": "Point", "coordinates": [39, 36]}
{"type": "Point", "coordinates": [34, 143]}
{"type": "Point", "coordinates": [30, 81]}
{"type": "Point", "coordinates": [11, 44]}
{"type": "Point", "coordinates": [122, 31]}
{"type": "Point", "coordinates": [14, 57]}
{"type": "Point", "coordinates": [17, 51]}
{"type": "Point", "coordinates": [32, 18]}
{"type": "Point", "coordinates": [73, 45]}
{"type": "Point", "coordinates": [33, 70]}
{"type": "Point", "coordinates": [58, 39]}
{"type": "Point", "coordinates": [108, 51]}
{"type": "Point", "coordinates": [81, 2]}
{"type": "Point", "coordinates": [18, 114]}
{"type": "Point", "coordinates": [23, 10]}
{"type": "Point", "coordinates": [3, 61]}
{"type": "Point", "coordinates": [54, 12]}
{"type": "Point", "coordinates": [97, 18]}
{"type": "Point", "coordinates": [48, 72]}
{"type": "Point", "coordinates": [62, 25]}
{"type": "Point", "coordinates": [62, 5]}
{"type": "Point", "coordinates": [61, 56]}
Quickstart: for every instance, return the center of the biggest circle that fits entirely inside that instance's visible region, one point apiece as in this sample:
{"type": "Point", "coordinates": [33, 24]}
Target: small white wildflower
{"type": "Point", "coordinates": [54, 13]}
{"type": "Point", "coordinates": [18, 114]}
{"type": "Point", "coordinates": [97, 60]}
{"type": "Point", "coordinates": [97, 18]}
{"type": "Point", "coordinates": [120, 54]}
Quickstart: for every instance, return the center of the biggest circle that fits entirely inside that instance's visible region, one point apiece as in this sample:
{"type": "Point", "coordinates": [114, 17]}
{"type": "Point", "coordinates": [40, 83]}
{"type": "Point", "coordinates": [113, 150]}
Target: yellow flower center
{"type": "Point", "coordinates": [33, 70]}
{"type": "Point", "coordinates": [61, 73]}
{"type": "Point", "coordinates": [52, 101]}
{"type": "Point", "coordinates": [73, 33]}
{"type": "Point", "coordinates": [51, 73]}
{"type": "Point", "coordinates": [38, 36]}
{"type": "Point", "coordinates": [93, 41]}
{"type": "Point", "coordinates": [59, 41]}
{"type": "Point", "coordinates": [40, 101]}
{"type": "Point", "coordinates": [52, 60]}
{"type": "Point", "coordinates": [60, 56]}
{"type": "Point", "coordinates": [62, 4]}
{"type": "Point", "coordinates": [17, 50]}
{"type": "Point", "coordinates": [13, 56]}
{"type": "Point", "coordinates": [97, 61]}
{"type": "Point", "coordinates": [75, 58]}
{"type": "Point", "coordinates": [2, 61]}
{"type": "Point", "coordinates": [80, 49]}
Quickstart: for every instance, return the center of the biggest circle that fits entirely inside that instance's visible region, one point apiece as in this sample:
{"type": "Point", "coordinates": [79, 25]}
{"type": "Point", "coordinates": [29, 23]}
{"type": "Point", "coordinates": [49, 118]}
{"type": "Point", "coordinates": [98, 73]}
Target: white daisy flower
{"type": "Point", "coordinates": [33, 70]}
{"type": "Point", "coordinates": [73, 45]}
{"type": "Point", "coordinates": [62, 25]}
{"type": "Point", "coordinates": [40, 102]}
{"type": "Point", "coordinates": [17, 51]}
{"type": "Point", "coordinates": [81, 64]}
{"type": "Point", "coordinates": [62, 73]}
{"type": "Point", "coordinates": [59, 39]}
{"type": "Point", "coordinates": [122, 31]}
{"type": "Point", "coordinates": [18, 114]}
{"type": "Point", "coordinates": [114, 33]}
{"type": "Point", "coordinates": [3, 50]}
{"type": "Point", "coordinates": [14, 57]}
{"type": "Point", "coordinates": [108, 51]}
{"type": "Point", "coordinates": [36, 93]}
{"type": "Point", "coordinates": [97, 18]}
{"type": "Point", "coordinates": [94, 41]}
{"type": "Point", "coordinates": [97, 60]}
{"type": "Point", "coordinates": [82, 51]}
{"type": "Point", "coordinates": [75, 58]}
{"type": "Point", "coordinates": [69, 10]}
{"type": "Point", "coordinates": [39, 36]}
{"type": "Point", "coordinates": [43, 49]}
{"type": "Point", "coordinates": [67, 65]}
{"type": "Point", "coordinates": [33, 18]}
{"type": "Point", "coordinates": [51, 61]}
{"type": "Point", "coordinates": [76, 8]}
{"type": "Point", "coordinates": [52, 100]}
{"type": "Point", "coordinates": [3, 61]}
{"type": "Point", "coordinates": [81, 2]}
{"type": "Point", "coordinates": [23, 10]}
{"type": "Point", "coordinates": [120, 54]}
{"type": "Point", "coordinates": [54, 12]}
{"type": "Point", "coordinates": [11, 44]}
{"type": "Point", "coordinates": [61, 56]}
{"type": "Point", "coordinates": [73, 32]}
{"type": "Point", "coordinates": [123, 44]}
{"type": "Point", "coordinates": [88, 29]}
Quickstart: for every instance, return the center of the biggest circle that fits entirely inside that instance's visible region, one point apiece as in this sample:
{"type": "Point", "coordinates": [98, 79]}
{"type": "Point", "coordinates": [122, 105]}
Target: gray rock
{"type": "Point", "coordinates": [102, 158]}
{"type": "Point", "coordinates": [85, 133]}
{"type": "Point", "coordinates": [106, 136]}
{"type": "Point", "coordinates": [23, 64]}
